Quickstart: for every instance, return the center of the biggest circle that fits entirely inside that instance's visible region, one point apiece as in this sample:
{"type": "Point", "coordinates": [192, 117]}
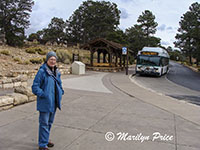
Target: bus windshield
{"type": "Point", "coordinates": [148, 60]}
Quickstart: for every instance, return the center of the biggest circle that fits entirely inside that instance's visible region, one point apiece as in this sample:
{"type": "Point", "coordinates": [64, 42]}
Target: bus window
{"type": "Point", "coordinates": [146, 60]}
{"type": "Point", "coordinates": [164, 61]}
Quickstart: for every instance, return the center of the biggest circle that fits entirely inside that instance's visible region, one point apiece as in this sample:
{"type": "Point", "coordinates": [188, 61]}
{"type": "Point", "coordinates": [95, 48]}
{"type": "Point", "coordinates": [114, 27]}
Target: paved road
{"type": "Point", "coordinates": [117, 105]}
{"type": "Point", "coordinates": [181, 83]}
{"type": "Point", "coordinates": [184, 76]}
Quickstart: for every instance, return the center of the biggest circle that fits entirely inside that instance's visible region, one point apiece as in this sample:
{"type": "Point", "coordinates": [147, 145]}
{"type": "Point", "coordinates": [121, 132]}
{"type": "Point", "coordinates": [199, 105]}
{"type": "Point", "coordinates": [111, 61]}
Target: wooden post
{"type": "Point", "coordinates": [91, 57]}
{"type": "Point", "coordinates": [116, 60]}
{"type": "Point", "coordinates": [104, 57]}
{"type": "Point", "coordinates": [124, 61]}
{"type": "Point", "coordinates": [98, 57]}
{"type": "Point", "coordinates": [110, 59]}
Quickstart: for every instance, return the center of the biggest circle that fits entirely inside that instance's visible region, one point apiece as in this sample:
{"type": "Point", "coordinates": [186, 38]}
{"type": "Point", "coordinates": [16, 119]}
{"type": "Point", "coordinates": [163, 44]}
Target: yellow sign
{"type": "Point", "coordinates": [149, 53]}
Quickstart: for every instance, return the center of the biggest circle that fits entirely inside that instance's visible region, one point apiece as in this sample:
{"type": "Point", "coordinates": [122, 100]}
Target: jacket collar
{"type": "Point", "coordinates": [48, 70]}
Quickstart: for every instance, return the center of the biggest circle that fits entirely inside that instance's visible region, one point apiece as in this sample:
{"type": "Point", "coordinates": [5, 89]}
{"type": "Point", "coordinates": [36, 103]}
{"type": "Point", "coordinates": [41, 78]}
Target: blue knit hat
{"type": "Point", "coordinates": [50, 54]}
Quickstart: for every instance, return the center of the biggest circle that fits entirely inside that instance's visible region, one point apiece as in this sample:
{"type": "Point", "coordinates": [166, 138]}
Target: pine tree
{"type": "Point", "coordinates": [188, 38]}
{"type": "Point", "coordinates": [93, 19]}
{"type": "Point", "coordinates": [55, 31]}
{"type": "Point", "coordinates": [147, 23]}
{"type": "Point", "coordinates": [141, 34]}
{"type": "Point", "coordinates": [14, 15]}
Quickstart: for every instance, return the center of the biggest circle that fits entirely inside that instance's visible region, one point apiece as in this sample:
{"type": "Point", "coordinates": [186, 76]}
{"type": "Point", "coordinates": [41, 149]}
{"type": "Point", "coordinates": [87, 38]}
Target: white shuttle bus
{"type": "Point", "coordinates": [152, 61]}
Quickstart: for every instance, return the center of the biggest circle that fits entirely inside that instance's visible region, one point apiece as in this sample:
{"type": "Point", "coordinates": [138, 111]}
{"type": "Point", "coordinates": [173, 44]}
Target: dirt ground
{"type": "Point", "coordinates": [18, 60]}
{"type": "Point", "coordinates": [9, 63]}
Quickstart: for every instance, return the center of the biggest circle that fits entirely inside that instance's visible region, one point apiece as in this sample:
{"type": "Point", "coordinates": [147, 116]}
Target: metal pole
{"type": "Point", "coordinates": [127, 63]}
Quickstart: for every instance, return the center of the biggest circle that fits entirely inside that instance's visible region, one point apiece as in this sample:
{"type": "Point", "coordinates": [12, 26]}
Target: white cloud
{"type": "Point", "coordinates": [126, 1]}
{"type": "Point", "coordinates": [169, 28]}
{"type": "Point", "coordinates": [124, 14]}
{"type": "Point", "coordinates": [36, 6]}
{"type": "Point", "coordinates": [162, 27]}
{"type": "Point", "coordinates": [165, 43]}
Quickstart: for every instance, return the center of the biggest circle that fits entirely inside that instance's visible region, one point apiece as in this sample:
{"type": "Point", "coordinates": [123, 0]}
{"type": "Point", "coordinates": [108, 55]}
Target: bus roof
{"type": "Point", "coordinates": [158, 50]}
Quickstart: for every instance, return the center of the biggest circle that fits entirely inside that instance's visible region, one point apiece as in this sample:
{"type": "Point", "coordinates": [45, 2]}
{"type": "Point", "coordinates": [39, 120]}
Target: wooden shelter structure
{"type": "Point", "coordinates": [112, 53]}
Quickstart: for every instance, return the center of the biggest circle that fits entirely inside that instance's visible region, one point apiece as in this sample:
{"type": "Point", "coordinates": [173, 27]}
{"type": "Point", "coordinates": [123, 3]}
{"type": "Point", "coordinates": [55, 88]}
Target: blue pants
{"type": "Point", "coordinates": [45, 122]}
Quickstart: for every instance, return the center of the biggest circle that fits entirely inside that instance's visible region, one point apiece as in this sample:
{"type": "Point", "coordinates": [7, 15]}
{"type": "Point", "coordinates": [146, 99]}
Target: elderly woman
{"type": "Point", "coordinates": [47, 86]}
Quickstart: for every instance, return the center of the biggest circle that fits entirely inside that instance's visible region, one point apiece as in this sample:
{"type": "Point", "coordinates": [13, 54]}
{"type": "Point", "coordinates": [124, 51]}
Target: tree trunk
{"type": "Point", "coordinates": [190, 60]}
{"type": "Point", "coordinates": [197, 62]}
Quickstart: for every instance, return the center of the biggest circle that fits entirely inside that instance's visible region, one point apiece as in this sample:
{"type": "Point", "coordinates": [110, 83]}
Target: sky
{"type": "Point", "coordinates": [167, 12]}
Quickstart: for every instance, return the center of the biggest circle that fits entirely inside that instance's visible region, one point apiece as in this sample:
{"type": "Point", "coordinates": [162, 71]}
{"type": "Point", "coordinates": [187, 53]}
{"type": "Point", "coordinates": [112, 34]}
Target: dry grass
{"type": "Point", "coordinates": [12, 58]}
{"type": "Point", "coordinates": [5, 52]}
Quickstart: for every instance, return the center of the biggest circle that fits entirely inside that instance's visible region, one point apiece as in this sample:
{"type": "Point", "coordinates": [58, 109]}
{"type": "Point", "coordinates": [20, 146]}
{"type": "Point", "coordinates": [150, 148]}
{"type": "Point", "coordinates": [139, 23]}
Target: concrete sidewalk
{"type": "Point", "coordinates": [110, 102]}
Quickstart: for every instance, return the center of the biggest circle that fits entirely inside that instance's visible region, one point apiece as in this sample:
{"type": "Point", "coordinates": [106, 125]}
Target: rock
{"type": "Point", "coordinates": [36, 68]}
{"type": "Point", "coordinates": [32, 73]}
{"type": "Point", "coordinates": [6, 100]}
{"type": "Point", "coordinates": [55, 44]}
{"type": "Point", "coordinates": [32, 98]}
{"type": "Point", "coordinates": [17, 79]}
{"type": "Point", "coordinates": [48, 43]}
{"type": "Point", "coordinates": [19, 98]}
{"type": "Point", "coordinates": [12, 74]}
{"type": "Point", "coordinates": [6, 80]}
{"type": "Point", "coordinates": [24, 78]}
{"type": "Point", "coordinates": [6, 107]}
{"type": "Point", "coordinates": [16, 84]}
{"type": "Point", "coordinates": [20, 78]}
{"type": "Point", "coordinates": [24, 90]}
{"type": "Point", "coordinates": [7, 85]}
{"type": "Point", "coordinates": [68, 66]}
{"type": "Point", "coordinates": [1, 75]}
{"type": "Point", "coordinates": [61, 66]}
{"type": "Point", "coordinates": [24, 84]}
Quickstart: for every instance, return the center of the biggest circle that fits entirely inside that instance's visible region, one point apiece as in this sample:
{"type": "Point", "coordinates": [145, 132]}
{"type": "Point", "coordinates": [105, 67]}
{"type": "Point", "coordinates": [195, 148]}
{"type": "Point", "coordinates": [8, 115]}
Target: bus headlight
{"type": "Point", "coordinates": [156, 69]}
{"type": "Point", "coordinates": [138, 68]}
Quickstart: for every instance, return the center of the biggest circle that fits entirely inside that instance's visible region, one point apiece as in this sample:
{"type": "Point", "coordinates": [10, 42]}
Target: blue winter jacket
{"type": "Point", "coordinates": [44, 86]}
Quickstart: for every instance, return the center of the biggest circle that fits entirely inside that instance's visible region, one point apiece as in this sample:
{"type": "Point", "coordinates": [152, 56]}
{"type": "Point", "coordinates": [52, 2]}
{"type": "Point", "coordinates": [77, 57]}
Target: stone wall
{"type": "Point", "coordinates": [18, 80]}
{"type": "Point", "coordinates": [21, 95]}
{"type": "Point", "coordinates": [31, 73]}
{"type": "Point", "coordinates": [13, 82]}
{"type": "Point", "coordinates": [28, 73]}
{"type": "Point", "coordinates": [19, 77]}
{"type": "Point", "coordinates": [65, 69]}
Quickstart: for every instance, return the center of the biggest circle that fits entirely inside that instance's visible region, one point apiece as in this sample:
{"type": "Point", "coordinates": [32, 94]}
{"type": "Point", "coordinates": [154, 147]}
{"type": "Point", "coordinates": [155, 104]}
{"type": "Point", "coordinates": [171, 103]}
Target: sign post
{"type": "Point", "coordinates": [75, 57]}
{"type": "Point", "coordinates": [125, 52]}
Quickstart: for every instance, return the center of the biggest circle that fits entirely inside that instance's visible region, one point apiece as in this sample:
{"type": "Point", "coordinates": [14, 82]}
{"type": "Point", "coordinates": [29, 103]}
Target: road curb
{"type": "Point", "coordinates": [182, 109]}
